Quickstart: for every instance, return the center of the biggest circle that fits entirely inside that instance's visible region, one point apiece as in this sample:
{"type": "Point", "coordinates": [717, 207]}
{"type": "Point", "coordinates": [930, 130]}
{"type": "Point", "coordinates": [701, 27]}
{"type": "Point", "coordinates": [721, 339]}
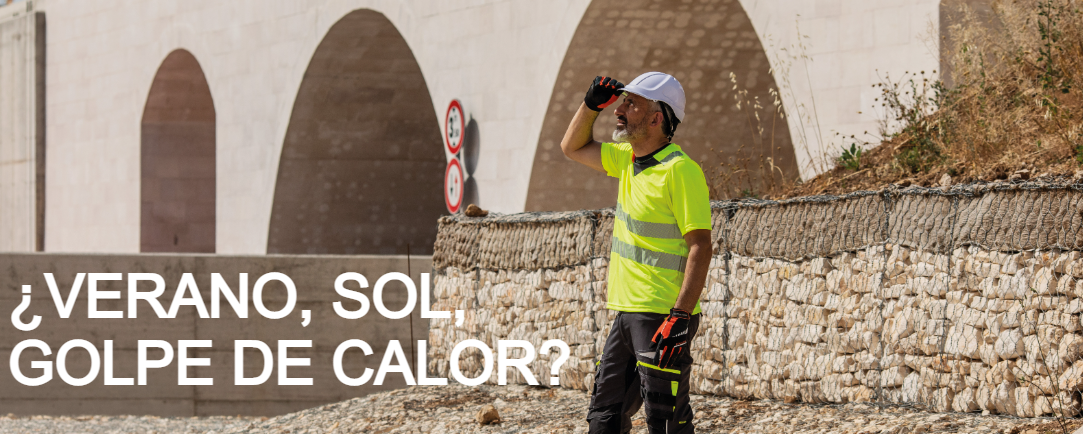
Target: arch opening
{"type": "Point", "coordinates": [177, 160]}
{"type": "Point", "coordinates": [701, 44]}
{"type": "Point", "coordinates": [362, 166]}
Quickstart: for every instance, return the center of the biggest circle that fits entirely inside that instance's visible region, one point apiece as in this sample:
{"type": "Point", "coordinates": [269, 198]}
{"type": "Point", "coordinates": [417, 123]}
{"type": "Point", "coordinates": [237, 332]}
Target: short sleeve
{"type": "Point", "coordinates": [689, 197]}
{"type": "Point", "coordinates": [616, 156]}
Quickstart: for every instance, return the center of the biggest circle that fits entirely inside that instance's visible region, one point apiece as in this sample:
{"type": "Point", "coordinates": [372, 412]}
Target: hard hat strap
{"type": "Point", "coordinates": [669, 120]}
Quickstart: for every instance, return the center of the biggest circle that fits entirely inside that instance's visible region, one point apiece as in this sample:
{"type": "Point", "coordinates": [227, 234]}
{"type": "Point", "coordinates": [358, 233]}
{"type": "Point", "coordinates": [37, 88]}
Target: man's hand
{"type": "Point", "coordinates": [578, 143]}
{"type": "Point", "coordinates": [603, 92]}
{"type": "Point", "coordinates": [671, 339]}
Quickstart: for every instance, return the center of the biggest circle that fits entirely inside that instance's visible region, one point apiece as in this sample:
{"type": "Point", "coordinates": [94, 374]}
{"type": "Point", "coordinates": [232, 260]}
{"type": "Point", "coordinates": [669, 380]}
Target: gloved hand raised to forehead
{"type": "Point", "coordinates": [603, 92]}
{"type": "Point", "coordinates": [670, 342]}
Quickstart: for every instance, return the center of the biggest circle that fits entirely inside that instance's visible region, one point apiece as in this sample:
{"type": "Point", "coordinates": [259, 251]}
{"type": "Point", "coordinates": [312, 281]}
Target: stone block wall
{"type": "Point", "coordinates": [961, 299]}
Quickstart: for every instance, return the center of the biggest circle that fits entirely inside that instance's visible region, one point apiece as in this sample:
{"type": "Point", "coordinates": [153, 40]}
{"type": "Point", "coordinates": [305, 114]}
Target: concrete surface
{"type": "Point", "coordinates": [500, 58]}
{"type": "Point", "coordinates": [177, 160]}
{"type": "Point", "coordinates": [361, 171]}
{"type": "Point", "coordinates": [314, 277]}
{"type": "Point", "coordinates": [22, 123]}
{"type": "Point", "coordinates": [701, 45]}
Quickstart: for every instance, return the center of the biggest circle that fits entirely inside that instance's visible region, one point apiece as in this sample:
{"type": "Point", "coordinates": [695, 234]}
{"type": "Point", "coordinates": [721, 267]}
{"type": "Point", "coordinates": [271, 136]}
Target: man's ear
{"type": "Point", "coordinates": [657, 118]}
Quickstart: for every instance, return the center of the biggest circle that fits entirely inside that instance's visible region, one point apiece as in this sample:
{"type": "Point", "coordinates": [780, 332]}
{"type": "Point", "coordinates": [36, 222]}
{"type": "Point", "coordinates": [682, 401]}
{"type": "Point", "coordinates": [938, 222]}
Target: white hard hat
{"type": "Point", "coordinates": [660, 86]}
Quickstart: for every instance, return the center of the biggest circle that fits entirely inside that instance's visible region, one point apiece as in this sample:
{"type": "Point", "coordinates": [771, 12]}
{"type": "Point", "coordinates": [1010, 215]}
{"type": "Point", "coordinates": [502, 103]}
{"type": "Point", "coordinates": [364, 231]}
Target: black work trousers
{"type": "Point", "coordinates": [626, 378]}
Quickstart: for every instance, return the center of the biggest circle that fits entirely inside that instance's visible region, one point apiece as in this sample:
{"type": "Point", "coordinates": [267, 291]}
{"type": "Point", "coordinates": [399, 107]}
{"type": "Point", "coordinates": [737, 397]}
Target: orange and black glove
{"type": "Point", "coordinates": [603, 92]}
{"type": "Point", "coordinates": [670, 342]}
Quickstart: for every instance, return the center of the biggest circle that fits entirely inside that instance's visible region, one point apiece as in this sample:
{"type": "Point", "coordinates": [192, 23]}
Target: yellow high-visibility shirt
{"type": "Point", "coordinates": [658, 202]}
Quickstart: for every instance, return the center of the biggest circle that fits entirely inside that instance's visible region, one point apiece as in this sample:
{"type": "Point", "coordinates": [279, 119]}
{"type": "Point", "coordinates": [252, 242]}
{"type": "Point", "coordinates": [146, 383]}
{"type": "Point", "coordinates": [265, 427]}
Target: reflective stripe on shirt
{"type": "Point", "coordinates": [648, 229]}
{"type": "Point", "coordinates": [647, 257]}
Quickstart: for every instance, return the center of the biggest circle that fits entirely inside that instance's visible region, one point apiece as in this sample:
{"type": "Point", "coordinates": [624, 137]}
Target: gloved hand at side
{"type": "Point", "coordinates": [603, 92]}
{"type": "Point", "coordinates": [671, 339]}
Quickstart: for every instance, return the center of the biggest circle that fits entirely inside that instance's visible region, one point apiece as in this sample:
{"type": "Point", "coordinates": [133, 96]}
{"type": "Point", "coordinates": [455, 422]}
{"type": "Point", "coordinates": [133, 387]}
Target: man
{"type": "Point", "coordinates": [661, 250]}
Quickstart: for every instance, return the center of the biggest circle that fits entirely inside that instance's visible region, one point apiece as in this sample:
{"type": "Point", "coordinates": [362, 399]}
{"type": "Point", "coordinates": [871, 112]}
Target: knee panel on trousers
{"type": "Point", "coordinates": [659, 388]}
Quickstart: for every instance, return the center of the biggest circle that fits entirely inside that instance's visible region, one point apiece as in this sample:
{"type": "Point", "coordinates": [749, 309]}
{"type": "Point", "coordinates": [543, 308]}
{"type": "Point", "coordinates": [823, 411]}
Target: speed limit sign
{"type": "Point", "coordinates": [453, 185]}
{"type": "Point", "coordinates": [454, 124]}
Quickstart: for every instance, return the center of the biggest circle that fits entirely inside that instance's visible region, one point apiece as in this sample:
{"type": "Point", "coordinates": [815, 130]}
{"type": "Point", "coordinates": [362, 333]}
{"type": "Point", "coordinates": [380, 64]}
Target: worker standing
{"type": "Point", "coordinates": [660, 254]}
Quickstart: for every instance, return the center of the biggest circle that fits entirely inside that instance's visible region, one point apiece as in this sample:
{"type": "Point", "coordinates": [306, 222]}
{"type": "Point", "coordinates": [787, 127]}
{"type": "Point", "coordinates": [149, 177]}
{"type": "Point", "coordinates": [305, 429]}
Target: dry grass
{"type": "Point", "coordinates": [746, 177]}
{"type": "Point", "coordinates": [1015, 108]}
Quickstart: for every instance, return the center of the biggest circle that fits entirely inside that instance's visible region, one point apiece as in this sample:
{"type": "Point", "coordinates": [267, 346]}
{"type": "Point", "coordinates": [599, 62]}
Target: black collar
{"type": "Point", "coordinates": [644, 158]}
{"type": "Point", "coordinates": [645, 162]}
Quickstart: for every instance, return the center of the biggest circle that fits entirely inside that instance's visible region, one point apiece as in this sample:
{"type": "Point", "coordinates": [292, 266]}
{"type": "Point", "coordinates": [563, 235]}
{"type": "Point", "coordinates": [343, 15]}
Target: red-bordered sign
{"type": "Point", "coordinates": [453, 185]}
{"type": "Point", "coordinates": [454, 125]}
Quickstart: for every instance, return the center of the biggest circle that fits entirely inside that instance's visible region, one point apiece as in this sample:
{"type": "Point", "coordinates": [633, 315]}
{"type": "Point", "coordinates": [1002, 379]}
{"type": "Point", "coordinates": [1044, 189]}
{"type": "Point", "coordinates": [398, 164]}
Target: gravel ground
{"type": "Point", "coordinates": [121, 424]}
{"type": "Point", "coordinates": [454, 409]}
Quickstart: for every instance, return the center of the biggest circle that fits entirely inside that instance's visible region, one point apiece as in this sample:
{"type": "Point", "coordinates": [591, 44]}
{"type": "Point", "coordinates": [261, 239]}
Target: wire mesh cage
{"type": "Point", "coordinates": [949, 299]}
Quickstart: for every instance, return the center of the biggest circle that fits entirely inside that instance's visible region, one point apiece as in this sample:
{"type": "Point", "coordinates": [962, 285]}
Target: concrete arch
{"type": "Point", "coordinates": [700, 44]}
{"type": "Point", "coordinates": [362, 165]}
{"type": "Point", "coordinates": [177, 160]}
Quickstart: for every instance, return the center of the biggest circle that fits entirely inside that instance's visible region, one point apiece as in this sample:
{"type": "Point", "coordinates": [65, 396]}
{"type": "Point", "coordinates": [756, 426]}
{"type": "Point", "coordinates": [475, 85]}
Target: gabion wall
{"type": "Point", "coordinates": [959, 299]}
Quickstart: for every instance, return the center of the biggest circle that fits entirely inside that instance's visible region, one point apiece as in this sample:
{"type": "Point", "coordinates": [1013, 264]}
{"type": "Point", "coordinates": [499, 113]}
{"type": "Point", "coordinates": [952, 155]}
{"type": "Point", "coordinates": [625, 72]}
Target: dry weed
{"type": "Point", "coordinates": [742, 177]}
{"type": "Point", "coordinates": [1014, 107]}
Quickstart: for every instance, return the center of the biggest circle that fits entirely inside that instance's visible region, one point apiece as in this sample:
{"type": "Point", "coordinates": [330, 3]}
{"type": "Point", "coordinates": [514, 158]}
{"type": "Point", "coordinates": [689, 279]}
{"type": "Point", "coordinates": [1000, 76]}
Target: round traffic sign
{"type": "Point", "coordinates": [453, 185]}
{"type": "Point", "coordinates": [454, 124]}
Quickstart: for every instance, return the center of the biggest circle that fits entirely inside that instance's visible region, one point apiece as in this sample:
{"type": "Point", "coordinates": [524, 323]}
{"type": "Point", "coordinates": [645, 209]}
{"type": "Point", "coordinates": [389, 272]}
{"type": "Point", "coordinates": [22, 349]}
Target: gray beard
{"type": "Point", "coordinates": [620, 135]}
{"type": "Point", "coordinates": [627, 134]}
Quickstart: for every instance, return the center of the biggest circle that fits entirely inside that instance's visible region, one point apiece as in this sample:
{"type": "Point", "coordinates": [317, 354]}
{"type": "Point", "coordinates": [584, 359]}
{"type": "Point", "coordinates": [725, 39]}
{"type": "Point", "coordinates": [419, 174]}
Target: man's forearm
{"type": "Point", "coordinates": [695, 276]}
{"type": "Point", "coordinates": [580, 131]}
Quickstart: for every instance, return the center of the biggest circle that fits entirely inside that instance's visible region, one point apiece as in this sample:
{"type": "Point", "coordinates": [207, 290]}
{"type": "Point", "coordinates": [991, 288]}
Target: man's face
{"type": "Point", "coordinates": [633, 118]}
